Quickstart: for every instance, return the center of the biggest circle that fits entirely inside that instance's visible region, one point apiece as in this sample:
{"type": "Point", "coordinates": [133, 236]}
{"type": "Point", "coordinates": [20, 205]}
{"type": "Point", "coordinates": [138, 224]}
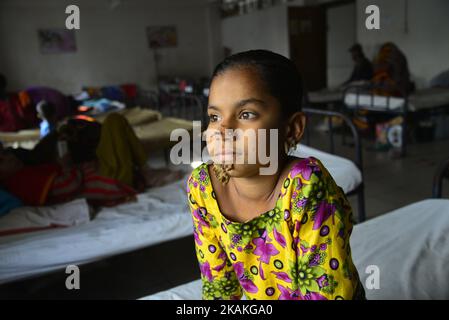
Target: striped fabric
{"type": "Point", "coordinates": [83, 181]}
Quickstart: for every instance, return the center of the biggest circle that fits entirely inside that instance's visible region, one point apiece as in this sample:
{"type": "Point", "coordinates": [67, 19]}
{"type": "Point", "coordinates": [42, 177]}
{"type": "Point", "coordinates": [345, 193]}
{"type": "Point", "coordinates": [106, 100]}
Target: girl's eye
{"type": "Point", "coordinates": [213, 117]}
{"type": "Point", "coordinates": [248, 115]}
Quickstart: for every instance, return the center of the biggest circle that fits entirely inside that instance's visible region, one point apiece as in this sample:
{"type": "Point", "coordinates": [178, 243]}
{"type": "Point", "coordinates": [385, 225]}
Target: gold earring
{"type": "Point", "coordinates": [293, 145]}
{"type": "Point", "coordinates": [286, 147]}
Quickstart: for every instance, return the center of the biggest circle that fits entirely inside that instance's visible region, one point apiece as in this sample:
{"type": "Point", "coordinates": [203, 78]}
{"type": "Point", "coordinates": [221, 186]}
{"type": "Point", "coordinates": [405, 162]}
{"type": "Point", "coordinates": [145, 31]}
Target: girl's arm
{"type": "Point", "coordinates": [323, 240]}
{"type": "Point", "coordinates": [217, 274]}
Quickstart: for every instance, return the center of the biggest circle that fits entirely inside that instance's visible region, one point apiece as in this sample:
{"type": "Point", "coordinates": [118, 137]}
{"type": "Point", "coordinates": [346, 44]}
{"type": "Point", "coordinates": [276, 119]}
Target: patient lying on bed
{"type": "Point", "coordinates": [115, 176]}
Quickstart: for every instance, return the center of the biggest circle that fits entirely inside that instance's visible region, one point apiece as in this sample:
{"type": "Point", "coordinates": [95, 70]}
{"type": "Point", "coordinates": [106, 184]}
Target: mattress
{"type": "Point", "coordinates": [420, 100]}
{"type": "Point", "coordinates": [135, 116]}
{"type": "Point", "coordinates": [326, 96]}
{"type": "Point", "coordinates": [159, 215]}
{"type": "Point", "coordinates": [156, 135]}
{"type": "Point", "coordinates": [409, 247]}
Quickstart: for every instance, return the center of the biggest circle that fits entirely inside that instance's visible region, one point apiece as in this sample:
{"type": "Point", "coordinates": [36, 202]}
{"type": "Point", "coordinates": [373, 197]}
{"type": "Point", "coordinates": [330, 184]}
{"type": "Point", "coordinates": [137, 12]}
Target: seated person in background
{"type": "Point", "coordinates": [391, 73]}
{"type": "Point", "coordinates": [46, 111]}
{"type": "Point", "coordinates": [363, 68]}
{"type": "Point", "coordinates": [116, 174]}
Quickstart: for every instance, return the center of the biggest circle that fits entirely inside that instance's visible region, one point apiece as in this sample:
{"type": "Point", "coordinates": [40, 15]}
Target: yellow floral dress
{"type": "Point", "coordinates": [298, 250]}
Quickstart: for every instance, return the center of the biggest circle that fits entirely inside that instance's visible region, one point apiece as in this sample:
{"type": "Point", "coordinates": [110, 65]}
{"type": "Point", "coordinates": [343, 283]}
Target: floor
{"type": "Point", "coordinates": [389, 184]}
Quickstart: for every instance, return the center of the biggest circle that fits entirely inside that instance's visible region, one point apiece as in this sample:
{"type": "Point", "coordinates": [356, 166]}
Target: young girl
{"type": "Point", "coordinates": [280, 236]}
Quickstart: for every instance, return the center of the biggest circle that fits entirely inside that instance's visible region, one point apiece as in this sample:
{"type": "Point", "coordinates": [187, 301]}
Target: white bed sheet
{"type": "Point", "coordinates": [421, 100]}
{"type": "Point", "coordinates": [344, 171]}
{"type": "Point", "coordinates": [160, 215]}
{"type": "Point", "coordinates": [410, 246]}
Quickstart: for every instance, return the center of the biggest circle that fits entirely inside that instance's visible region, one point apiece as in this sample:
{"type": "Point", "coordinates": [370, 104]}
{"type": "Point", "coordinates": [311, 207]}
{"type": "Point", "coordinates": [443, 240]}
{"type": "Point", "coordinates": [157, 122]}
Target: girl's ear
{"type": "Point", "coordinates": [295, 127]}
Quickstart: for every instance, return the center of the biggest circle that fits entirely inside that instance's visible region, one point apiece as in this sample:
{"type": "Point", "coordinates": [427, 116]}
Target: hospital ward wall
{"type": "Point", "coordinates": [263, 29]}
{"type": "Point", "coordinates": [420, 29]}
{"type": "Point", "coordinates": [340, 37]}
{"type": "Point", "coordinates": [112, 46]}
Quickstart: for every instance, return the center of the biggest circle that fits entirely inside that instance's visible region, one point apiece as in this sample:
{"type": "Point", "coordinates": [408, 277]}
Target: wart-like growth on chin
{"type": "Point", "coordinates": [221, 171]}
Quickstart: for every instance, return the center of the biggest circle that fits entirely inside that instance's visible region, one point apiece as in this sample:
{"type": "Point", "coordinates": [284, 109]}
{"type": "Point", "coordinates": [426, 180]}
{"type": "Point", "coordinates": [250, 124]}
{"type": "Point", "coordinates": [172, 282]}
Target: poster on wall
{"type": "Point", "coordinates": [162, 37]}
{"type": "Point", "coordinates": [56, 41]}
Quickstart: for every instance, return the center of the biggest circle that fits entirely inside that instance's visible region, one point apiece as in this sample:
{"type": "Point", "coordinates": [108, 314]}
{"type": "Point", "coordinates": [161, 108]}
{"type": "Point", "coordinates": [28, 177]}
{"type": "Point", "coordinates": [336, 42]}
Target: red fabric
{"type": "Point", "coordinates": [10, 232]}
{"type": "Point", "coordinates": [9, 119]}
{"type": "Point", "coordinates": [86, 183]}
{"type": "Point", "coordinates": [14, 115]}
{"type": "Point", "coordinates": [32, 183]}
{"type": "Point", "coordinates": [130, 90]}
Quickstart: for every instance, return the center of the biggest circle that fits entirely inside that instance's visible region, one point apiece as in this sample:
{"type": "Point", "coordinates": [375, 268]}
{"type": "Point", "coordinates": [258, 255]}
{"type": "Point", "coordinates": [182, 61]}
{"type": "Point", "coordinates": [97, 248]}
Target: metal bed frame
{"type": "Point", "coordinates": [441, 173]}
{"type": "Point", "coordinates": [359, 191]}
{"type": "Point", "coordinates": [367, 90]}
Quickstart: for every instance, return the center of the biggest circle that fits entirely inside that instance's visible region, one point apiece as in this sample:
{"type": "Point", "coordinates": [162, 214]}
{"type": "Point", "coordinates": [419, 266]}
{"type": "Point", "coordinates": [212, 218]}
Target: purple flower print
{"type": "Point", "coordinates": [301, 203]}
{"type": "Point", "coordinates": [297, 226]}
{"type": "Point", "coordinates": [202, 188]}
{"type": "Point", "coordinates": [312, 296]}
{"type": "Point", "coordinates": [261, 272]}
{"type": "Point", "coordinates": [287, 293]}
{"type": "Point", "coordinates": [201, 223]}
{"type": "Point", "coordinates": [315, 260]}
{"type": "Point", "coordinates": [236, 238]}
{"type": "Point", "coordinates": [305, 167]}
{"type": "Point", "coordinates": [322, 281]}
{"type": "Point", "coordinates": [248, 247]}
{"type": "Point", "coordinates": [247, 284]}
{"type": "Point", "coordinates": [205, 271]}
{"type": "Point", "coordinates": [304, 249]}
{"type": "Point", "coordinates": [282, 276]}
{"type": "Point", "coordinates": [279, 238]}
{"type": "Point", "coordinates": [324, 211]}
{"type": "Point", "coordinates": [220, 267]}
{"type": "Point", "coordinates": [264, 250]}
{"type": "Point", "coordinates": [265, 235]}
{"type": "Point", "coordinates": [196, 237]}
{"type": "Point", "coordinates": [203, 175]}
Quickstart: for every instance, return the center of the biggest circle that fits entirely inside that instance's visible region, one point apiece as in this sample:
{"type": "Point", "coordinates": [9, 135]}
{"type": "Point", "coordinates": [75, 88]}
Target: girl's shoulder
{"type": "Point", "coordinates": [199, 179]}
{"type": "Point", "coordinates": [307, 170]}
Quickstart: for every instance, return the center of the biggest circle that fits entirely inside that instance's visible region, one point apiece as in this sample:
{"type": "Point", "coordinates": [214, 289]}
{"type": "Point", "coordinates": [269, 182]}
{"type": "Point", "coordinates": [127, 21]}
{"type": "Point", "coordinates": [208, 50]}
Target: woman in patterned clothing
{"type": "Point", "coordinates": [278, 236]}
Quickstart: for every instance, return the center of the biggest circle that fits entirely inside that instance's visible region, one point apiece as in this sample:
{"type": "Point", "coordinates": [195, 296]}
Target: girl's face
{"type": "Point", "coordinates": [239, 100]}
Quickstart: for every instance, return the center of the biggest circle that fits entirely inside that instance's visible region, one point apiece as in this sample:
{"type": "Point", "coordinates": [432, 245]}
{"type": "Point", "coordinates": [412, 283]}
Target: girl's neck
{"type": "Point", "coordinates": [260, 187]}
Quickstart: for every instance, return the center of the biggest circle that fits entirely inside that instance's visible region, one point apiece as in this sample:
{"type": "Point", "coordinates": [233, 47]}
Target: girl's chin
{"type": "Point", "coordinates": [243, 170]}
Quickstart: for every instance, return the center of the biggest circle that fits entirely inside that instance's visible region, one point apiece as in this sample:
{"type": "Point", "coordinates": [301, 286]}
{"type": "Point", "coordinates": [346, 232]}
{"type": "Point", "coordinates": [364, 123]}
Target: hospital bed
{"type": "Point", "coordinates": [407, 248]}
{"type": "Point", "coordinates": [151, 128]}
{"type": "Point", "coordinates": [135, 116]}
{"type": "Point", "coordinates": [421, 100]}
{"type": "Point", "coordinates": [430, 101]}
{"type": "Point", "coordinates": [159, 215]}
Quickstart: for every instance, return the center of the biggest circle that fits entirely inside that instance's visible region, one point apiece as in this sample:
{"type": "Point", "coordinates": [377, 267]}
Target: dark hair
{"type": "Point", "coordinates": [279, 74]}
{"type": "Point", "coordinates": [356, 47]}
